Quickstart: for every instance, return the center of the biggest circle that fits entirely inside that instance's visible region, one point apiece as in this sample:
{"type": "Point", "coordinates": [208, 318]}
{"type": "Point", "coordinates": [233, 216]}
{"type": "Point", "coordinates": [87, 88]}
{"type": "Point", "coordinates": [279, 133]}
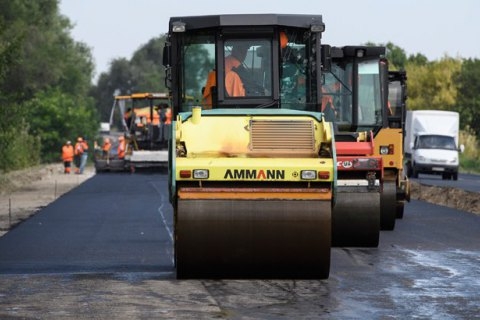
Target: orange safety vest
{"type": "Point", "coordinates": [168, 116]}
{"type": "Point", "coordinates": [233, 83]}
{"type": "Point", "coordinates": [106, 146]}
{"type": "Point", "coordinates": [145, 113]}
{"type": "Point", "coordinates": [67, 153]}
{"type": "Point", "coordinates": [121, 149]}
{"type": "Point", "coordinates": [78, 148]}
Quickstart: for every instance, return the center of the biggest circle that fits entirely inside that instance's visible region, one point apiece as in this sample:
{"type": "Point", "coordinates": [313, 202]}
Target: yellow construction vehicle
{"type": "Point", "coordinates": [145, 119]}
{"type": "Point", "coordinates": [251, 167]}
{"type": "Point", "coordinates": [369, 142]}
{"type": "Point", "coordinates": [392, 139]}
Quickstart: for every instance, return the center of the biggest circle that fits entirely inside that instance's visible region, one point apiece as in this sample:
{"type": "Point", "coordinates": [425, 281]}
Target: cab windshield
{"type": "Point", "coordinates": [353, 105]}
{"type": "Point", "coordinates": [257, 71]}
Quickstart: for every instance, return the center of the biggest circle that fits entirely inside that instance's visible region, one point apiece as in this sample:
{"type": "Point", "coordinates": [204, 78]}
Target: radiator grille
{"type": "Point", "coordinates": [282, 135]}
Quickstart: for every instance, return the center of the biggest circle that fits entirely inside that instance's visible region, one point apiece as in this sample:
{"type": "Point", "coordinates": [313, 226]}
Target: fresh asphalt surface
{"type": "Point", "coordinates": [113, 234]}
{"type": "Point", "coordinates": [110, 223]}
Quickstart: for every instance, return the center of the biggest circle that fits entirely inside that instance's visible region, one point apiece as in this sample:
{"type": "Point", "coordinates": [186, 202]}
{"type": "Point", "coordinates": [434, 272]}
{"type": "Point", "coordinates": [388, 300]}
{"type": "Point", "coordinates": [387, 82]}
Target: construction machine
{"type": "Point", "coordinates": [355, 101]}
{"type": "Point", "coordinates": [109, 160]}
{"type": "Point", "coordinates": [391, 144]}
{"type": "Point", "coordinates": [251, 167]}
{"type": "Point", "coordinates": [145, 119]}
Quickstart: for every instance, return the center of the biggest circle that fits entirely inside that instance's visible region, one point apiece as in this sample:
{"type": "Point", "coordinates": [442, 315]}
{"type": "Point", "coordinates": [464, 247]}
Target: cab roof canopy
{"type": "Point", "coordinates": [288, 20]}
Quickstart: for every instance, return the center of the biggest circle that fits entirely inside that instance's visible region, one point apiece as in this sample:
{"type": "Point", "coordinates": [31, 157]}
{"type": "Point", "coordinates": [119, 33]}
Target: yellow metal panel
{"type": "Point", "coordinates": [386, 137]}
{"type": "Point", "coordinates": [218, 136]}
{"type": "Point", "coordinates": [255, 169]}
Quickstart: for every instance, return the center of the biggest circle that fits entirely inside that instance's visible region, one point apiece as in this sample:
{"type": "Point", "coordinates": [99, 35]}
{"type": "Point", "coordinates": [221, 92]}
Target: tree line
{"type": "Point", "coordinates": [47, 95]}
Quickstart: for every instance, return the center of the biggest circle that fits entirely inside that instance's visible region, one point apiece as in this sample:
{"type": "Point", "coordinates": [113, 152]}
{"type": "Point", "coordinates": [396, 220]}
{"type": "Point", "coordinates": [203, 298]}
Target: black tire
{"type": "Point", "coordinates": [455, 176]}
{"type": "Point", "coordinates": [388, 205]}
{"type": "Point", "coordinates": [414, 172]}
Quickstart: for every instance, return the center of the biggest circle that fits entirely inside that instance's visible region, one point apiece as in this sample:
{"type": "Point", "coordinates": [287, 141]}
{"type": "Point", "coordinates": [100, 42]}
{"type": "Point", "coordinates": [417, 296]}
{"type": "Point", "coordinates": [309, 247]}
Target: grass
{"type": "Point", "coordinates": [470, 158]}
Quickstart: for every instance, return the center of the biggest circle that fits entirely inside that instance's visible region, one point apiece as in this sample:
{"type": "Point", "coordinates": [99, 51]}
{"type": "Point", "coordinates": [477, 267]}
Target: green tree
{"type": "Point", "coordinates": [468, 102]}
{"type": "Point", "coordinates": [143, 73]}
{"type": "Point", "coordinates": [417, 59]}
{"type": "Point", "coordinates": [118, 81]}
{"type": "Point", "coordinates": [18, 148]}
{"type": "Point", "coordinates": [38, 61]}
{"type": "Point", "coordinates": [47, 56]}
{"type": "Point", "coordinates": [396, 56]}
{"type": "Point", "coordinates": [433, 86]}
{"type": "Point", "coordinates": [147, 68]}
{"type": "Point", "coordinates": [56, 116]}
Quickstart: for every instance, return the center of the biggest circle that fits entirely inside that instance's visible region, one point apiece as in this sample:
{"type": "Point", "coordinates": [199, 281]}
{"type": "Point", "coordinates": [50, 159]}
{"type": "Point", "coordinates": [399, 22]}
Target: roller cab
{"type": "Point", "coordinates": [251, 172]}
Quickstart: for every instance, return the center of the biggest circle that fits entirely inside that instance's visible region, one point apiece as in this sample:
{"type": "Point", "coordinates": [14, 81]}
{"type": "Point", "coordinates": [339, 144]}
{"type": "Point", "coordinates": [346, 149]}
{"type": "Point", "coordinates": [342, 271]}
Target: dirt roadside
{"type": "Point", "coordinates": [23, 193]}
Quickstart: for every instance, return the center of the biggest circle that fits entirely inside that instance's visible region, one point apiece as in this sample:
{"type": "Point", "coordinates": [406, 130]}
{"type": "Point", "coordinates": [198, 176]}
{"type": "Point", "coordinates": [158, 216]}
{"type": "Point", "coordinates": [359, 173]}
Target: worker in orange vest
{"type": "Point", "coordinates": [234, 85]}
{"type": "Point", "coordinates": [121, 148]}
{"type": "Point", "coordinates": [107, 145]}
{"type": "Point", "coordinates": [78, 151]}
{"type": "Point", "coordinates": [168, 116]}
{"type": "Point", "coordinates": [67, 156]}
{"type": "Point", "coordinates": [233, 82]}
{"type": "Point", "coordinates": [84, 158]}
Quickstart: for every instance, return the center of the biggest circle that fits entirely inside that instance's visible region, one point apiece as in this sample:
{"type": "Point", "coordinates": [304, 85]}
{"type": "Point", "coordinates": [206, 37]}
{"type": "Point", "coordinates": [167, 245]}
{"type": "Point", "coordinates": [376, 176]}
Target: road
{"type": "Point", "coordinates": [104, 250]}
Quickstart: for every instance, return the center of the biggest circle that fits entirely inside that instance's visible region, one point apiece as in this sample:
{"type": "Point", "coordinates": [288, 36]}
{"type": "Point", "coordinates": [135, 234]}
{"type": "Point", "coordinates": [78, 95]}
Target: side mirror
{"type": "Point", "coordinates": [462, 148]}
{"type": "Point", "coordinates": [412, 146]}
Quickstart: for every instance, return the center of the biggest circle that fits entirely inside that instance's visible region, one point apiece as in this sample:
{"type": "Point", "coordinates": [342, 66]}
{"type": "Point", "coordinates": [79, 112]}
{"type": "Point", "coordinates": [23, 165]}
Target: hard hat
{"type": "Point", "coordinates": [107, 140]}
{"type": "Point", "coordinates": [79, 139]}
{"type": "Point", "coordinates": [121, 138]}
{"type": "Point", "coordinates": [69, 142]}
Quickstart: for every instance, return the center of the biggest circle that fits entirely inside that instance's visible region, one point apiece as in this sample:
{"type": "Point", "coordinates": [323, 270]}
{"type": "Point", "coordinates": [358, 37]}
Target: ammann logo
{"type": "Point", "coordinates": [254, 174]}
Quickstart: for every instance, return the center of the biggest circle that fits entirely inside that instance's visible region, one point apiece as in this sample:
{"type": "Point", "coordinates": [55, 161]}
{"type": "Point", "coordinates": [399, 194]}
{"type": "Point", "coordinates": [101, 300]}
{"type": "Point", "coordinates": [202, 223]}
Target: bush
{"type": "Point", "coordinates": [470, 158]}
{"type": "Point", "coordinates": [19, 149]}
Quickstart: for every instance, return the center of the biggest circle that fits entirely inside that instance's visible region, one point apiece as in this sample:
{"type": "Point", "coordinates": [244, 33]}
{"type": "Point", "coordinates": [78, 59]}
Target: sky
{"type": "Point", "coordinates": [435, 28]}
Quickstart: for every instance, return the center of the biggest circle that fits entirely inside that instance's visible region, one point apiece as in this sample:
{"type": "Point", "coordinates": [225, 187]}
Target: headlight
{"type": "Point", "coordinates": [308, 174]}
{"type": "Point", "coordinates": [383, 149]}
{"type": "Point", "coordinates": [200, 174]}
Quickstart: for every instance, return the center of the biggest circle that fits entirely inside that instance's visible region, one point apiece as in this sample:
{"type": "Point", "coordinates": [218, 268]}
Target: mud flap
{"type": "Point", "coordinates": [245, 239]}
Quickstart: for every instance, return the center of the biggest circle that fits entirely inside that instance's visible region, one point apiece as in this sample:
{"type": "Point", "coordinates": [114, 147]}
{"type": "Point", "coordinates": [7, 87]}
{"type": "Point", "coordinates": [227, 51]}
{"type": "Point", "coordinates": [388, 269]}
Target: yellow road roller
{"type": "Point", "coordinates": [252, 167]}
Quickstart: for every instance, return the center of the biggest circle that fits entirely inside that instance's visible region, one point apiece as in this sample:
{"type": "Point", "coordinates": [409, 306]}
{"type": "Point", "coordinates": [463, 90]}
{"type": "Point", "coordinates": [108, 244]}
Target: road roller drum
{"type": "Point", "coordinates": [356, 219]}
{"type": "Point", "coordinates": [253, 239]}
